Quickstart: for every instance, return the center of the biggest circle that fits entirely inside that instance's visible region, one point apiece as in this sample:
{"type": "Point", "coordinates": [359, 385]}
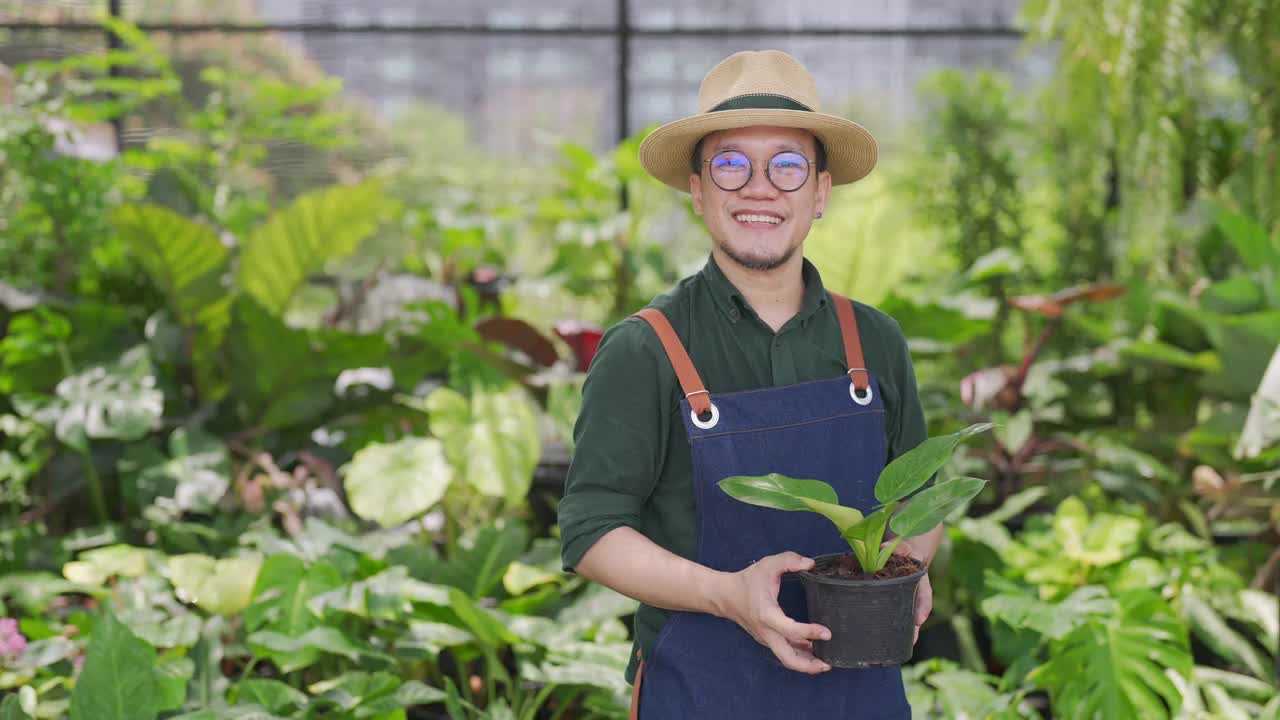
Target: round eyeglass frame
{"type": "Point", "coordinates": [751, 170]}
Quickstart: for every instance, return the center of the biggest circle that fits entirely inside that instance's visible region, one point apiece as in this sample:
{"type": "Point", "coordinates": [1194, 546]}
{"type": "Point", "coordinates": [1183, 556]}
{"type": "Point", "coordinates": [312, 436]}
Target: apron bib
{"type": "Point", "coordinates": [707, 668]}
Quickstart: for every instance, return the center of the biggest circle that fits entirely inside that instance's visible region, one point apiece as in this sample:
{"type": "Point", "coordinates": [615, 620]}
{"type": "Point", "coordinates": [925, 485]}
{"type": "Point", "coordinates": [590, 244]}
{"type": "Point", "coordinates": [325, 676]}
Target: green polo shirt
{"type": "Point", "coordinates": [632, 464]}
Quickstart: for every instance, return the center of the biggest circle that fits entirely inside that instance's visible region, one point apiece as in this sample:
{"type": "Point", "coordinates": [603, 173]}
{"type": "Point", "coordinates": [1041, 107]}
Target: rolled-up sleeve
{"type": "Point", "coordinates": [620, 439]}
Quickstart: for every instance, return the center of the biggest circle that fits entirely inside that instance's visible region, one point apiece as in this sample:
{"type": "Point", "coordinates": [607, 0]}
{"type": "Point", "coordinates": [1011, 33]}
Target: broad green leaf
{"type": "Point", "coordinates": [119, 401]}
{"type": "Point", "coordinates": [187, 262]}
{"type": "Point", "coordinates": [1250, 239]}
{"type": "Point", "coordinates": [912, 469]}
{"type": "Point", "coordinates": [1116, 665]}
{"type": "Point", "coordinates": [1016, 504]}
{"type": "Point", "coordinates": [490, 633]}
{"type": "Point", "coordinates": [393, 483]}
{"type": "Point", "coordinates": [273, 695]}
{"type": "Point", "coordinates": [118, 681]}
{"type": "Point", "coordinates": [783, 493]}
{"type": "Point", "coordinates": [238, 712]}
{"type": "Point", "coordinates": [295, 653]}
{"type": "Point", "coordinates": [1099, 541]}
{"type": "Point", "coordinates": [596, 604]}
{"type": "Point", "coordinates": [301, 240]}
{"type": "Point", "coordinates": [481, 558]}
{"type": "Point", "coordinates": [1241, 686]}
{"type": "Point", "coordinates": [1166, 354]}
{"type": "Point", "coordinates": [284, 587]}
{"type": "Point", "coordinates": [172, 675]}
{"type": "Point", "coordinates": [32, 591]}
{"type": "Point", "coordinates": [432, 637]}
{"type": "Point", "coordinates": [386, 595]}
{"type": "Point", "coordinates": [351, 689]}
{"type": "Point", "coordinates": [931, 506]}
{"type": "Point", "coordinates": [491, 440]}
{"type": "Point", "coordinates": [407, 695]}
{"type": "Point", "coordinates": [1051, 620]}
{"type": "Point", "coordinates": [1263, 609]}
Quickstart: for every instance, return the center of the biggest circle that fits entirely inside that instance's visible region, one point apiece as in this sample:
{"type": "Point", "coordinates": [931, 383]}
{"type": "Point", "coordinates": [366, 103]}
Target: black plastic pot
{"type": "Point", "coordinates": [872, 622]}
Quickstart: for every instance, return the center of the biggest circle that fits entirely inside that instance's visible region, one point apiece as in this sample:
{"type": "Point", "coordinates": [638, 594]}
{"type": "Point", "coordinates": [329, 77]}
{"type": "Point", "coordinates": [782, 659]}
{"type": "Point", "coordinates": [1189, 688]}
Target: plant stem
{"type": "Point", "coordinates": [96, 496]}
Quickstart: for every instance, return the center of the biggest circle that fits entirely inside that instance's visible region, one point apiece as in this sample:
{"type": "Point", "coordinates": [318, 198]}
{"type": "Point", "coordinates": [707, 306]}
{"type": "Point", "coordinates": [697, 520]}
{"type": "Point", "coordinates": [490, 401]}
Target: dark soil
{"type": "Point", "coordinates": [846, 567]}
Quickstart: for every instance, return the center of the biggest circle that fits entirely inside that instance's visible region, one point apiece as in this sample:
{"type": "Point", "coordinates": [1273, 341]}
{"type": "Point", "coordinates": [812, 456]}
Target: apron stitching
{"type": "Point", "coordinates": [788, 425]}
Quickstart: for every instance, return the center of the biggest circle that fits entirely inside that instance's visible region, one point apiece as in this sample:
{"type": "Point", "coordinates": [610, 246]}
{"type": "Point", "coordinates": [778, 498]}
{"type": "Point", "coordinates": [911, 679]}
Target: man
{"type": "Point", "coordinates": [721, 631]}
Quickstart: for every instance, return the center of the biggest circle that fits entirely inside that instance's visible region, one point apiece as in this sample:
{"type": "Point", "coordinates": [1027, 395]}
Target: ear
{"type": "Point", "coordinates": [695, 192]}
{"type": "Point", "coordinates": [824, 191]}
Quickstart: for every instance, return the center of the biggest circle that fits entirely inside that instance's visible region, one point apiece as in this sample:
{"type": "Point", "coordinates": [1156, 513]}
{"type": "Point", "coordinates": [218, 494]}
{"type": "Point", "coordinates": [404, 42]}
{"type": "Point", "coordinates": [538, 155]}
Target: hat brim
{"type": "Point", "coordinates": [666, 152]}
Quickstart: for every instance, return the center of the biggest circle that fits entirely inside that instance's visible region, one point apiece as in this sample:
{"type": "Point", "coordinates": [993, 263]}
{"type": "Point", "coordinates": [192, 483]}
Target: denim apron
{"type": "Point", "coordinates": [707, 668]}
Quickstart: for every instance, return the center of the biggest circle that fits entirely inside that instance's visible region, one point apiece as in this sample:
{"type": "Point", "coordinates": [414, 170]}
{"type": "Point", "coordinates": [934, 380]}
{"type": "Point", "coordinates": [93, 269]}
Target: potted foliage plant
{"type": "Point", "coordinates": [866, 597]}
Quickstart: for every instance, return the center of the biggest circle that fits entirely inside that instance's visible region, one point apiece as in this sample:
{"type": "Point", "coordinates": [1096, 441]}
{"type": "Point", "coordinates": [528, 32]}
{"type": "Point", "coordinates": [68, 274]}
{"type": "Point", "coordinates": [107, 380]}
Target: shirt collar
{"type": "Point", "coordinates": [734, 306]}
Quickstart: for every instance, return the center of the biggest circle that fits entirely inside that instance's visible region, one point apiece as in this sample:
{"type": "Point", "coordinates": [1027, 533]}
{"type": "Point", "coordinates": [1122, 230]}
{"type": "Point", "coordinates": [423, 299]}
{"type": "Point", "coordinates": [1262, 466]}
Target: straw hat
{"type": "Point", "coordinates": [752, 88]}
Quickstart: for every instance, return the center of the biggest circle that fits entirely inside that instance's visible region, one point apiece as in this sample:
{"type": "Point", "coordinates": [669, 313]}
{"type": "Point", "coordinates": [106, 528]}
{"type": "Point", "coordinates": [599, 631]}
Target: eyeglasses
{"type": "Point", "coordinates": [731, 170]}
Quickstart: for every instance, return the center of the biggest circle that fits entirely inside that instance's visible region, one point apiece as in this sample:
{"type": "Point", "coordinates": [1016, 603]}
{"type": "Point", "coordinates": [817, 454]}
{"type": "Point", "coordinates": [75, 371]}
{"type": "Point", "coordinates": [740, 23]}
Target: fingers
{"type": "Point", "coordinates": [793, 658]}
{"type": "Point", "coordinates": [788, 562]}
{"type": "Point", "coordinates": [796, 631]}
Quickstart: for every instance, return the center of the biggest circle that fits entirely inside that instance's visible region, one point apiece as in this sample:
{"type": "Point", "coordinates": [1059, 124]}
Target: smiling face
{"type": "Point", "coordinates": [759, 226]}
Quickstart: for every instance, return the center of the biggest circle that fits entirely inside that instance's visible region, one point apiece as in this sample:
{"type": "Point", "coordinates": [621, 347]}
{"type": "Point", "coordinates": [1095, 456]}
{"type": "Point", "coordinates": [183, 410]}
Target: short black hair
{"type": "Point", "coordinates": [819, 160]}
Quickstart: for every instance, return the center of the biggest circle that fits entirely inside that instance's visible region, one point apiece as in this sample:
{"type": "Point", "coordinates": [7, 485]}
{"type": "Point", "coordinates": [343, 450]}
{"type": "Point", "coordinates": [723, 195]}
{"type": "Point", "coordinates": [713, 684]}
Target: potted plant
{"type": "Point", "coordinates": [866, 598]}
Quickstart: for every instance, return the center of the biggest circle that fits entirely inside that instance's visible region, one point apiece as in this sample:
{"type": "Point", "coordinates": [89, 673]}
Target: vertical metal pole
{"type": "Point", "coordinates": [113, 43]}
{"type": "Point", "coordinates": [624, 84]}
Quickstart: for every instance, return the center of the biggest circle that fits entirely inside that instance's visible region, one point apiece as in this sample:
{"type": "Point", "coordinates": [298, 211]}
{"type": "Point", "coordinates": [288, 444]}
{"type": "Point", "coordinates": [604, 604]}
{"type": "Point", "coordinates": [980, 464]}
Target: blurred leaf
{"type": "Point", "coordinates": [1262, 426]}
{"type": "Point", "coordinates": [481, 557]}
{"type": "Point", "coordinates": [391, 484]}
{"type": "Point", "coordinates": [491, 440]}
{"type": "Point", "coordinates": [238, 712]}
{"type": "Point", "coordinates": [1213, 630]}
{"type": "Point", "coordinates": [11, 709]}
{"type": "Point", "coordinates": [387, 594]}
{"type": "Point", "coordinates": [283, 590]}
{"type": "Point", "coordinates": [1248, 238]}
{"type": "Point", "coordinates": [172, 675]}
{"type": "Point", "coordinates": [1099, 541]}
{"type": "Point", "coordinates": [118, 681]}
{"type": "Point", "coordinates": [221, 587]}
{"type": "Point", "coordinates": [1166, 354]}
{"type": "Point", "coordinates": [318, 228]}
{"type": "Point", "coordinates": [998, 262]}
{"type": "Point", "coordinates": [119, 402]}
{"type": "Point", "coordinates": [1051, 620]}
{"type": "Point", "coordinates": [519, 578]}
{"type": "Point", "coordinates": [193, 478]}
{"type": "Point", "coordinates": [932, 321]}
{"type": "Point", "coordinates": [273, 695]}
{"type": "Point", "coordinates": [1236, 295]}
{"type": "Point", "coordinates": [410, 694]}
{"type": "Point", "coordinates": [432, 638]}
{"type": "Point", "coordinates": [94, 566]}
{"type": "Point", "coordinates": [1115, 665]}
{"type": "Point", "coordinates": [187, 262]}
{"type": "Point", "coordinates": [295, 653]}
{"type": "Point", "coordinates": [488, 630]}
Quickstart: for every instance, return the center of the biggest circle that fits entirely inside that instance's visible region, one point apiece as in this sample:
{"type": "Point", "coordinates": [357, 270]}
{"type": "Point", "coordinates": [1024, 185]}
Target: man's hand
{"type": "Point", "coordinates": [924, 604]}
{"type": "Point", "coordinates": [751, 600]}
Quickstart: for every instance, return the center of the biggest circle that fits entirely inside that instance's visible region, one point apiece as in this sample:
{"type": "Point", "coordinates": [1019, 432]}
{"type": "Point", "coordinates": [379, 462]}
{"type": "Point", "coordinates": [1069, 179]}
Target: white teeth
{"type": "Point", "coordinates": [757, 218]}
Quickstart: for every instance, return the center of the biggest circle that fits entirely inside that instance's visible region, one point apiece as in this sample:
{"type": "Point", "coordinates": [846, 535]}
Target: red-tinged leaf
{"type": "Point", "coordinates": [520, 335]}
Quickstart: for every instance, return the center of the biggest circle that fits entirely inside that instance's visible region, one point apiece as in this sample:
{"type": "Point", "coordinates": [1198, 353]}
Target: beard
{"type": "Point", "coordinates": [756, 262]}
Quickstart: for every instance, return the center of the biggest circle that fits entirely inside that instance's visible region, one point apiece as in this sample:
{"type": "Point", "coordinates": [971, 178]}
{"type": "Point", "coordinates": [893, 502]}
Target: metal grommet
{"type": "Point", "coordinates": [715, 418]}
{"type": "Point", "coordinates": [861, 400]}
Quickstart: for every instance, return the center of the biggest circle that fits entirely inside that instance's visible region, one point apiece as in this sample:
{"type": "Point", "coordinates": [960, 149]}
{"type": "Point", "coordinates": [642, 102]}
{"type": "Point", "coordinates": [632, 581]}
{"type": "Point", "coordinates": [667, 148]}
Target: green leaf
{"type": "Point", "coordinates": [490, 633]}
{"type": "Point", "coordinates": [94, 566]}
{"type": "Point", "coordinates": [1213, 630]}
{"type": "Point", "coordinates": [187, 262]}
{"type": "Point", "coordinates": [932, 505]}
{"type": "Point", "coordinates": [912, 469]}
{"type": "Point", "coordinates": [118, 681]}
{"type": "Point", "coordinates": [519, 578]}
{"type": "Point", "coordinates": [295, 653]}
{"type": "Point", "coordinates": [1165, 354]}
{"type": "Point", "coordinates": [998, 262]}
{"type": "Point", "coordinates": [431, 638]}
{"type": "Point", "coordinates": [273, 695]}
{"type": "Point", "coordinates": [1103, 540]}
{"type": "Point", "coordinates": [1249, 238]}
{"type": "Point", "coordinates": [410, 694]}
{"type": "Point", "coordinates": [284, 587]}
{"type": "Point", "coordinates": [317, 229]}
{"type": "Point", "coordinates": [172, 675]}
{"type": "Point", "coordinates": [1116, 665]}
{"type": "Point", "coordinates": [492, 439]}
{"type": "Point", "coordinates": [783, 493]}
{"type": "Point", "coordinates": [392, 483]}
{"type": "Point", "coordinates": [11, 709]}
{"type": "Point", "coordinates": [385, 595]}
{"type": "Point", "coordinates": [239, 712]}
{"type": "Point", "coordinates": [222, 587]}
{"type": "Point", "coordinates": [118, 402]}
{"type": "Point", "coordinates": [481, 558]}
{"type": "Point", "coordinates": [1241, 686]}
{"type": "Point", "coordinates": [1050, 620]}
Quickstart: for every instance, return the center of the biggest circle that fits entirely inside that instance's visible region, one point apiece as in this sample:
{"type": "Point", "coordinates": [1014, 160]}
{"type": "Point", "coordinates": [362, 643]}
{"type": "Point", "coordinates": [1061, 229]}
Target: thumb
{"type": "Point", "coordinates": [790, 562]}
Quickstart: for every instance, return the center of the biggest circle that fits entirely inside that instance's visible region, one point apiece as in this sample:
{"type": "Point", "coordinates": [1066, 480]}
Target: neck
{"type": "Point", "coordinates": [776, 295]}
